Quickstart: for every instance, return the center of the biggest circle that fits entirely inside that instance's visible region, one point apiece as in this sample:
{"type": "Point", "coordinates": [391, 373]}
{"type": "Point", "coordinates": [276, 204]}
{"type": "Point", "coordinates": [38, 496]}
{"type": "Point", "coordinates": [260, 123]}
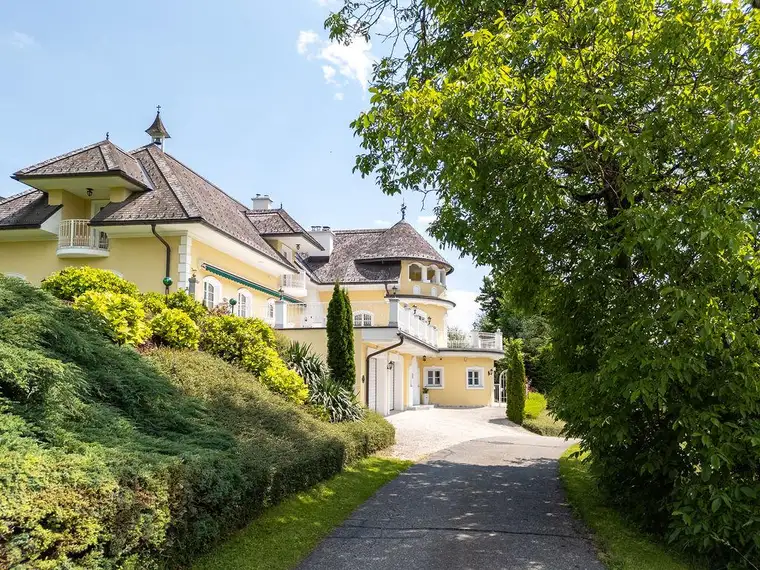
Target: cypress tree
{"type": "Point", "coordinates": [348, 332]}
{"type": "Point", "coordinates": [340, 349]}
{"type": "Point", "coordinates": [516, 384]}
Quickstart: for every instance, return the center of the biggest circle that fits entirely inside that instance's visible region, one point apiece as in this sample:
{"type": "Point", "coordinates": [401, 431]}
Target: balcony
{"type": "Point", "coordinates": [294, 285]}
{"type": "Point", "coordinates": [476, 340]}
{"type": "Point", "coordinates": [77, 239]}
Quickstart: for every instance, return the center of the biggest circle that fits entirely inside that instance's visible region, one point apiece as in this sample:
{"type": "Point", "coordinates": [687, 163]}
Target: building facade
{"type": "Point", "coordinates": [146, 216]}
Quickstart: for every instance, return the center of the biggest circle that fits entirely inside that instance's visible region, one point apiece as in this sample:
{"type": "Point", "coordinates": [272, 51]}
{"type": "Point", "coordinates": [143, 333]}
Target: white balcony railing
{"type": "Point", "coordinates": [476, 340]}
{"type": "Point", "coordinates": [297, 281]}
{"type": "Point", "coordinates": [383, 313]}
{"type": "Point", "coordinates": [78, 235]}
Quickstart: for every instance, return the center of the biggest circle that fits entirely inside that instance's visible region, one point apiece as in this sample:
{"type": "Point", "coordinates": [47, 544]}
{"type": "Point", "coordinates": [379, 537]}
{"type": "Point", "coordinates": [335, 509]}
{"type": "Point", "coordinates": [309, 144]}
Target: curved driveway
{"type": "Point", "coordinates": [489, 502]}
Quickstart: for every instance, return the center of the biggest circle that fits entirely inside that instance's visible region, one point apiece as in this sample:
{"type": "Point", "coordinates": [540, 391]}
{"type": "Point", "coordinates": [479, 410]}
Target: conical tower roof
{"type": "Point", "coordinates": [157, 129]}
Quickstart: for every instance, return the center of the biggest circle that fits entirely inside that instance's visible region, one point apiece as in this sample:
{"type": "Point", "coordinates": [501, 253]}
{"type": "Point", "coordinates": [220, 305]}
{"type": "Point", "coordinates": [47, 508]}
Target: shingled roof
{"type": "Point", "coordinates": [179, 194]}
{"type": "Point", "coordinates": [372, 255]}
{"type": "Point", "coordinates": [97, 159]}
{"type": "Point", "coordinates": [402, 241]}
{"type": "Point", "coordinates": [25, 211]}
{"type": "Point", "coordinates": [278, 222]}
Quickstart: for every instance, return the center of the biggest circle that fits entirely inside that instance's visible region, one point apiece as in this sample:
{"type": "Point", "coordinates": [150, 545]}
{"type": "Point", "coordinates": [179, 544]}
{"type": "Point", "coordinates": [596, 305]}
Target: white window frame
{"type": "Point", "coordinates": [481, 377]}
{"type": "Point", "coordinates": [244, 294]}
{"type": "Point", "coordinates": [269, 317]}
{"type": "Point", "coordinates": [425, 377]}
{"type": "Point", "coordinates": [217, 290]}
{"type": "Point", "coordinates": [434, 291]}
{"type": "Point", "coordinates": [416, 290]}
{"type": "Point", "coordinates": [364, 314]}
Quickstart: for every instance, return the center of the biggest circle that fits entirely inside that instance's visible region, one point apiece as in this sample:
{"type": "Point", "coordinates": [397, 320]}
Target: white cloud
{"type": "Point", "coordinates": [425, 220]}
{"type": "Point", "coordinates": [383, 223]}
{"type": "Point", "coordinates": [329, 72]}
{"type": "Point", "coordinates": [338, 96]}
{"type": "Point", "coordinates": [466, 311]}
{"type": "Point", "coordinates": [353, 62]}
{"type": "Point", "coordinates": [305, 39]}
{"type": "Point", "coordinates": [20, 40]}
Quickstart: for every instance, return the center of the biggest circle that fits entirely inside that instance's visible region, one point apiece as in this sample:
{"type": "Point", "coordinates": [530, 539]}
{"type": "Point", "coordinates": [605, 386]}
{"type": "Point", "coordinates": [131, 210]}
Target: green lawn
{"type": "Point", "coordinates": [544, 424]}
{"type": "Point", "coordinates": [622, 545]}
{"type": "Point", "coordinates": [285, 534]}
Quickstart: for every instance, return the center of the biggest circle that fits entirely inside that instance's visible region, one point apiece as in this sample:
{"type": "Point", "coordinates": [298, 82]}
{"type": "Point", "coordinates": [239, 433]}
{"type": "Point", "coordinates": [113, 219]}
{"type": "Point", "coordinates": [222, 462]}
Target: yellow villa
{"type": "Point", "coordinates": [146, 216]}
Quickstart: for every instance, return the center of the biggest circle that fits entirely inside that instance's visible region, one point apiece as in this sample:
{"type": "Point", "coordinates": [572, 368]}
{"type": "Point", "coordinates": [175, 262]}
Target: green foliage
{"type": "Point", "coordinates": [535, 403]}
{"type": "Point", "coordinates": [340, 404]}
{"type": "Point", "coordinates": [122, 316]}
{"type": "Point", "coordinates": [604, 156]}
{"type": "Point", "coordinates": [109, 459]}
{"type": "Point", "coordinates": [286, 534]}
{"type": "Point", "coordinates": [545, 424]}
{"type": "Point", "coordinates": [71, 282]}
{"type": "Point", "coordinates": [153, 302]}
{"type": "Point", "coordinates": [622, 546]}
{"type": "Point", "coordinates": [174, 328]}
{"type": "Point", "coordinates": [309, 365]}
{"type": "Point", "coordinates": [250, 343]}
{"type": "Point", "coordinates": [184, 302]}
{"type": "Point", "coordinates": [515, 383]}
{"type": "Point", "coordinates": [340, 339]}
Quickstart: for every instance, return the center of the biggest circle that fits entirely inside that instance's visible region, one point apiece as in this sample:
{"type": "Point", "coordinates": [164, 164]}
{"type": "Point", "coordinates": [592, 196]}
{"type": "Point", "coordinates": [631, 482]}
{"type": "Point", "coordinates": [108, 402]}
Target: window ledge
{"type": "Point", "coordinates": [433, 387]}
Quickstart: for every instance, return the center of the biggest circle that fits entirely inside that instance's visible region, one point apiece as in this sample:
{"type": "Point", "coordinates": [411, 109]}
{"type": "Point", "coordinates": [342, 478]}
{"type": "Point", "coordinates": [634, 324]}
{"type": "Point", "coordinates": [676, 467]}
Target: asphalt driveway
{"type": "Point", "coordinates": [487, 503]}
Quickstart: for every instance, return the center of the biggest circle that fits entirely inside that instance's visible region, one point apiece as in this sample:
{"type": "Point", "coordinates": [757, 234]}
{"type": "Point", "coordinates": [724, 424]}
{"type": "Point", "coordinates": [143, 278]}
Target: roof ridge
{"type": "Point", "coordinates": [361, 231]}
{"type": "Point", "coordinates": [107, 160]}
{"type": "Point", "coordinates": [173, 184]}
{"type": "Point", "coordinates": [17, 196]}
{"type": "Point", "coordinates": [59, 157]}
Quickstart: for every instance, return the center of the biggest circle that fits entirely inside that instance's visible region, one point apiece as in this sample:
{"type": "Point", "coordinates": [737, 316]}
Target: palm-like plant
{"type": "Point", "coordinates": [308, 365]}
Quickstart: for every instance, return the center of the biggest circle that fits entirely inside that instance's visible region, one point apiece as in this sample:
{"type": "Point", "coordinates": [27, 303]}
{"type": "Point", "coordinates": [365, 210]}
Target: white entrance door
{"type": "Point", "coordinates": [414, 382]}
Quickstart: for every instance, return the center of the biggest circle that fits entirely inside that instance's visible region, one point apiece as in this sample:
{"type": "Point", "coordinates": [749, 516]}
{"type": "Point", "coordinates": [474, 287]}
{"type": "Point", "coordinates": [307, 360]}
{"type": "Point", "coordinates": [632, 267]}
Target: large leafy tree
{"type": "Point", "coordinates": [603, 154]}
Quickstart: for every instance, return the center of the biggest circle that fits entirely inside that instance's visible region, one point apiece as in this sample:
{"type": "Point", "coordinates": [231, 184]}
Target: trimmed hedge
{"type": "Point", "coordinates": [109, 459]}
{"type": "Point", "coordinates": [174, 328]}
{"type": "Point", "coordinates": [535, 403]}
{"type": "Point", "coordinates": [122, 315]}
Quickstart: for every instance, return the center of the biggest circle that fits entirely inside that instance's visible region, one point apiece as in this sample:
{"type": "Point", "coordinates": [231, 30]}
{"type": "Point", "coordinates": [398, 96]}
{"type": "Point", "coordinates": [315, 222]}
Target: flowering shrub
{"type": "Point", "coordinates": [174, 328]}
{"type": "Point", "coordinates": [122, 315]}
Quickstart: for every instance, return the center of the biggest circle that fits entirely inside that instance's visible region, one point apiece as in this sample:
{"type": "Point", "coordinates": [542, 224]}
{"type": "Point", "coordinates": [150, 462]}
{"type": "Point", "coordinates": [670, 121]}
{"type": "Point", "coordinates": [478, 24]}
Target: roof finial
{"type": "Point", "coordinates": [157, 130]}
{"type": "Point", "coordinates": [108, 136]}
{"type": "Point", "coordinates": [403, 209]}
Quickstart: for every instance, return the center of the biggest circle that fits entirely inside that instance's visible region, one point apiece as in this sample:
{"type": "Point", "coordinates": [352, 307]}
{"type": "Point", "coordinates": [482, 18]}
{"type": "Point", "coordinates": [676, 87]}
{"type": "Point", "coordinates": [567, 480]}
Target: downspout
{"type": "Point", "coordinates": [366, 364]}
{"type": "Point", "coordinates": [167, 275]}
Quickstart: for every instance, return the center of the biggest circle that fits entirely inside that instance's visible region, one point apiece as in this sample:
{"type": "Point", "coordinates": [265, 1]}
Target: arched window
{"type": "Point", "coordinates": [434, 291]}
{"type": "Point", "coordinates": [415, 272]}
{"type": "Point", "coordinates": [416, 290]}
{"type": "Point", "coordinates": [244, 303]}
{"type": "Point", "coordinates": [363, 319]}
{"type": "Point", "coordinates": [432, 274]}
{"type": "Point", "coordinates": [212, 292]}
{"type": "Point", "coordinates": [16, 275]}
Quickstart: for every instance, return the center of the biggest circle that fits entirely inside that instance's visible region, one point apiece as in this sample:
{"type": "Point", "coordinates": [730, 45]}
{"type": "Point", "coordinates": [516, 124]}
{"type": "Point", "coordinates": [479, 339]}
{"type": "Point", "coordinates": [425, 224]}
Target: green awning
{"type": "Point", "coordinates": [243, 281]}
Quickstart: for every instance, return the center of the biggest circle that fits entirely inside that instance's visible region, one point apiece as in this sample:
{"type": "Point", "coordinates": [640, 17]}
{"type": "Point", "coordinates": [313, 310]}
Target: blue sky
{"type": "Point", "coordinates": [254, 96]}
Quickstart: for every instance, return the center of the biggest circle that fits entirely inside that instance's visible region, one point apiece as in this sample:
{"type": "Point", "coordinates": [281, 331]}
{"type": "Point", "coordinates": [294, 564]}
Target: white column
{"type": "Point", "coordinates": [393, 312]}
{"type": "Point", "coordinates": [280, 314]}
{"type": "Point", "coordinates": [474, 339]}
{"type": "Point", "coordinates": [184, 270]}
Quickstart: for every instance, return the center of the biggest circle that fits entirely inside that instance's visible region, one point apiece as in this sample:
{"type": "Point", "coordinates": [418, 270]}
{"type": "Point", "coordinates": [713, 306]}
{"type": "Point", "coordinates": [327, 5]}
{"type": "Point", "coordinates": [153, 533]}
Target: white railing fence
{"type": "Point", "coordinates": [477, 339]}
{"type": "Point", "coordinates": [78, 233]}
{"type": "Point", "coordinates": [417, 325]}
{"type": "Point", "coordinates": [297, 281]}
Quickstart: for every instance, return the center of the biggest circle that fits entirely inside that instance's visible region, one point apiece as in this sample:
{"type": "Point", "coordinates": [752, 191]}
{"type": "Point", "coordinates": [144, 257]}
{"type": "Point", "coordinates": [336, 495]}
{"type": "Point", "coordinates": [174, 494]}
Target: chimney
{"type": "Point", "coordinates": [262, 202]}
{"type": "Point", "coordinates": [325, 238]}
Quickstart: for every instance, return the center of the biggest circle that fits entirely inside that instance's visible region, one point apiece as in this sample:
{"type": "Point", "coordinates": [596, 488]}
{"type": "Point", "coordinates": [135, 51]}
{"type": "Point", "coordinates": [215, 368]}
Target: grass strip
{"type": "Point", "coordinates": [286, 533]}
{"type": "Point", "coordinates": [622, 545]}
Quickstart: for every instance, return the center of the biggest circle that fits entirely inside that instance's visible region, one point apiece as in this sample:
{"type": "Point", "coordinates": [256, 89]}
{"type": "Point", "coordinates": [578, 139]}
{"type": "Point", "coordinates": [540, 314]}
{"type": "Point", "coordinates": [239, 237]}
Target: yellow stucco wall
{"type": "Point", "coordinates": [140, 260]}
{"type": "Point", "coordinates": [455, 391]}
{"type": "Point", "coordinates": [74, 207]}
{"type": "Point", "coordinates": [204, 253]}
{"type": "Point", "coordinates": [317, 338]}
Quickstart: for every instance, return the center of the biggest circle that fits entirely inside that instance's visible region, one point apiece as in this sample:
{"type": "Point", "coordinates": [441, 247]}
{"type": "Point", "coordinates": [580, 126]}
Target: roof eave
{"type": "Point", "coordinates": [406, 258]}
{"type": "Point", "coordinates": [306, 236]}
{"type": "Point", "coordinates": [20, 177]}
